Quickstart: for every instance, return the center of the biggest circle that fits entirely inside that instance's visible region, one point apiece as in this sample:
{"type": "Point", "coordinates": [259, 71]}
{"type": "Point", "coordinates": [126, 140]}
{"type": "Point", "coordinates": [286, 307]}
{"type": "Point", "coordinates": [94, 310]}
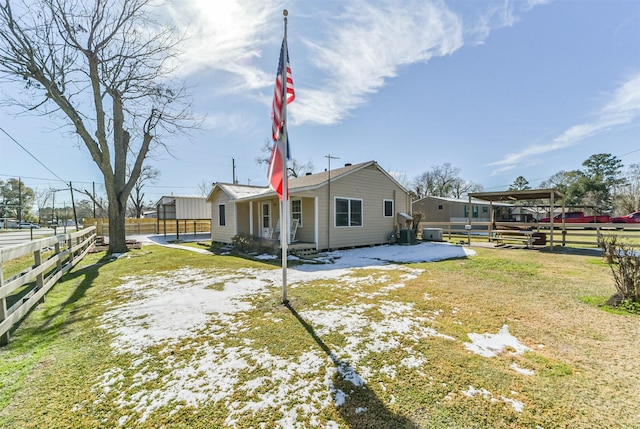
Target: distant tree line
{"type": "Point", "coordinates": [18, 201]}
{"type": "Point", "coordinates": [602, 184]}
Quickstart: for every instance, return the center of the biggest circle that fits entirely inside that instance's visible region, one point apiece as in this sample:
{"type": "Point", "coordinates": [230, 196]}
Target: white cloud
{"type": "Point", "coordinates": [229, 121]}
{"type": "Point", "coordinates": [361, 45]}
{"type": "Point", "coordinates": [623, 108]}
{"type": "Point", "coordinates": [226, 36]}
{"type": "Point", "coordinates": [368, 43]}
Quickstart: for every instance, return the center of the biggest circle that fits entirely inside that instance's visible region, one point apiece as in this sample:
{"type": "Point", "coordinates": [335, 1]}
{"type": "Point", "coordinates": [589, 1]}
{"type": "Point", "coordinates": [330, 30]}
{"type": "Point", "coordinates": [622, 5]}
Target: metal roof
{"type": "Point", "coordinates": [529, 194]}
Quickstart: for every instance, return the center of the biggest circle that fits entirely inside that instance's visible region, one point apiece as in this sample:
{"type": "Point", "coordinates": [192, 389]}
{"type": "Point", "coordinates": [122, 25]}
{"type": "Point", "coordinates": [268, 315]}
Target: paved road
{"type": "Point", "coordinates": [18, 236]}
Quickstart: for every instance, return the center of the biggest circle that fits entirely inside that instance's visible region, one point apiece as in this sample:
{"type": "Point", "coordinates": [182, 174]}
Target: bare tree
{"type": "Point", "coordinates": [438, 182]}
{"type": "Point", "coordinates": [204, 187]}
{"type": "Point", "coordinates": [461, 188]}
{"type": "Point", "coordinates": [148, 174]}
{"type": "Point", "coordinates": [42, 198]}
{"type": "Point", "coordinates": [627, 196]}
{"type": "Point", "coordinates": [104, 66]}
{"type": "Point", "coordinates": [294, 168]}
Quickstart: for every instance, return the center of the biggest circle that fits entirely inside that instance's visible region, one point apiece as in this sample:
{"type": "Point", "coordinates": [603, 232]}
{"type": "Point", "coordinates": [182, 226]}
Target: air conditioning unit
{"type": "Point", "coordinates": [432, 234]}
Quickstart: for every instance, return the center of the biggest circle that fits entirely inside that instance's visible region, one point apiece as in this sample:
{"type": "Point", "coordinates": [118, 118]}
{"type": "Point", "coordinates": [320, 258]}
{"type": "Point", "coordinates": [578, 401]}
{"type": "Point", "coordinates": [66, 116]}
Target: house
{"type": "Point", "coordinates": [355, 205]}
{"type": "Point", "coordinates": [438, 209]}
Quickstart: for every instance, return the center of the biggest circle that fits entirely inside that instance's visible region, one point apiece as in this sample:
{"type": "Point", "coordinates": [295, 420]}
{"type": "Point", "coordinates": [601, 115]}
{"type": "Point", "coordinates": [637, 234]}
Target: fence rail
{"type": "Point", "coordinates": [574, 234]}
{"type": "Point", "coordinates": [46, 260]}
{"type": "Point", "coordinates": [154, 226]}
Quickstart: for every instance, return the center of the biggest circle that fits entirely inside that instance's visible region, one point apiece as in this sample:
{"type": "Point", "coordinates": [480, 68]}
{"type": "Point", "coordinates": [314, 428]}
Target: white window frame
{"type": "Point", "coordinates": [384, 207]}
{"type": "Point", "coordinates": [264, 215]}
{"type": "Point", "coordinates": [335, 213]}
{"type": "Point", "coordinates": [298, 213]}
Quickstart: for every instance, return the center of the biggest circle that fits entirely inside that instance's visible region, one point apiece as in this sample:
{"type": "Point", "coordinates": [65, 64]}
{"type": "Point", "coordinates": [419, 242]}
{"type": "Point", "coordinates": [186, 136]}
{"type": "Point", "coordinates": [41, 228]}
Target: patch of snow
{"type": "Point", "coordinates": [489, 345]}
{"type": "Point", "coordinates": [517, 405]}
{"type": "Point", "coordinates": [167, 311]}
{"type": "Point", "coordinates": [472, 391]}
{"type": "Point", "coordinates": [265, 257]}
{"type": "Point", "coordinates": [524, 371]}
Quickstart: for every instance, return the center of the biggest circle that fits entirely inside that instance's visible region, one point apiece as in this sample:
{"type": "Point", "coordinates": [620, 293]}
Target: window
{"type": "Point", "coordinates": [474, 211]}
{"type": "Point", "coordinates": [222, 218]}
{"type": "Point", "coordinates": [348, 212]}
{"type": "Point", "coordinates": [387, 208]}
{"type": "Point", "coordinates": [441, 207]}
{"type": "Point", "coordinates": [296, 211]}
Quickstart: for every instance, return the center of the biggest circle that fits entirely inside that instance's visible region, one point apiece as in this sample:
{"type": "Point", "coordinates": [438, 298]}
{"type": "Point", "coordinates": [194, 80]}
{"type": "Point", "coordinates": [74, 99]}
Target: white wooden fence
{"type": "Point", "coordinates": [572, 234]}
{"type": "Point", "coordinates": [52, 257]}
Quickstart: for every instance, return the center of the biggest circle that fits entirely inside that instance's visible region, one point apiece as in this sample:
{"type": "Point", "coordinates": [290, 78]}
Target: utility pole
{"type": "Point", "coordinates": [73, 205]}
{"type": "Point", "coordinates": [329, 158]}
{"type": "Point", "coordinates": [19, 201]}
{"type": "Point", "coordinates": [233, 164]}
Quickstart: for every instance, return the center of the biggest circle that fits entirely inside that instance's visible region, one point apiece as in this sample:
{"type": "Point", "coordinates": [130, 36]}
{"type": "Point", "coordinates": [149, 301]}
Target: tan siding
{"type": "Point", "coordinates": [242, 219]}
{"type": "Point", "coordinates": [307, 231]}
{"type": "Point", "coordinates": [372, 187]}
{"type": "Point", "coordinates": [222, 234]}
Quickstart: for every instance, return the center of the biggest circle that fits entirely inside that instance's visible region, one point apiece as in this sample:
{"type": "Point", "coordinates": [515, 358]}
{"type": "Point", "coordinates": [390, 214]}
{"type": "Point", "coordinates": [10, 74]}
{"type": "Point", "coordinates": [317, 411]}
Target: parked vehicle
{"type": "Point", "coordinates": [630, 218]}
{"type": "Point", "coordinates": [577, 217]}
{"type": "Point", "coordinates": [28, 225]}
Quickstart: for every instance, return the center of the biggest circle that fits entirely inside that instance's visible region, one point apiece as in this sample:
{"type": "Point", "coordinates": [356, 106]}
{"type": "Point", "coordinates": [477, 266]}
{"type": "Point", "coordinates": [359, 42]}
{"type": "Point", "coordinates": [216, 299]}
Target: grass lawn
{"type": "Point", "coordinates": [165, 338]}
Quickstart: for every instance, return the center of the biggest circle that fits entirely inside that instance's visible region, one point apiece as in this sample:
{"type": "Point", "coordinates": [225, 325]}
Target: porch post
{"type": "Point", "coordinates": [251, 218]}
{"type": "Point", "coordinates": [316, 234]}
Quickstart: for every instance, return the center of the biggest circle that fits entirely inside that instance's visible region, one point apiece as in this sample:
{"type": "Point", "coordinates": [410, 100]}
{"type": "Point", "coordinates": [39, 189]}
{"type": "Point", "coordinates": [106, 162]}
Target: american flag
{"type": "Point", "coordinates": [280, 147]}
{"type": "Point", "coordinates": [276, 107]}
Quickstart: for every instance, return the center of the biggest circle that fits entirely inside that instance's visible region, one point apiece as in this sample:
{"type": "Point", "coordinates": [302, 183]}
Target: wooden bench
{"type": "Point", "coordinates": [503, 236]}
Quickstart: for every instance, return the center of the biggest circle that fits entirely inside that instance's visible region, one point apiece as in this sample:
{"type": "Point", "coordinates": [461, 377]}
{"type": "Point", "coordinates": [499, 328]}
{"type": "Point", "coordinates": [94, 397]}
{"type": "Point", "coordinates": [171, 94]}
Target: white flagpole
{"type": "Point", "coordinates": [284, 205]}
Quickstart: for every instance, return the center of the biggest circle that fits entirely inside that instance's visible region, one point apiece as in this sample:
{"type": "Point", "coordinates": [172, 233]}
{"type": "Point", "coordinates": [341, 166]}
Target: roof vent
{"type": "Point", "coordinates": [348, 164]}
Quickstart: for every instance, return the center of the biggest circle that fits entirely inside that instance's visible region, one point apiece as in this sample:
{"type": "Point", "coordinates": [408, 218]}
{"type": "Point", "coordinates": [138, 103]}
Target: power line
{"type": "Point", "coordinates": [32, 155]}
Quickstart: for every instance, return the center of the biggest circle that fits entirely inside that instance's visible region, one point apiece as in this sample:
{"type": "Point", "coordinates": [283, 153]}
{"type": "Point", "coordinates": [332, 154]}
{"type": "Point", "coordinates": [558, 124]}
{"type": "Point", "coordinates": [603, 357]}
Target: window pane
{"type": "Point", "coordinates": [222, 215]}
{"type": "Point", "coordinates": [342, 212]}
{"type": "Point", "coordinates": [342, 219]}
{"type": "Point", "coordinates": [388, 208]}
{"type": "Point", "coordinates": [356, 213]}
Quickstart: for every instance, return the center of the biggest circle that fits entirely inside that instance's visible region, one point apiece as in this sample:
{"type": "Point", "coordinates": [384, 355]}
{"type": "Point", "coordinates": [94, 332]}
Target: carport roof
{"type": "Point", "coordinates": [529, 194]}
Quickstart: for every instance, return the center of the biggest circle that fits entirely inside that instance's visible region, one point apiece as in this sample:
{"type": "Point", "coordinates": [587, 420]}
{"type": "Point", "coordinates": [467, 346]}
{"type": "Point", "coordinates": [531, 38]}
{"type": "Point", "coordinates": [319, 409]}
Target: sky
{"type": "Point", "coordinates": [498, 89]}
{"type": "Point", "coordinates": [210, 369]}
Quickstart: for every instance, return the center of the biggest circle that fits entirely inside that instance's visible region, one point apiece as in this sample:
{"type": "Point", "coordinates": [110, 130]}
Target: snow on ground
{"type": "Point", "coordinates": [196, 313]}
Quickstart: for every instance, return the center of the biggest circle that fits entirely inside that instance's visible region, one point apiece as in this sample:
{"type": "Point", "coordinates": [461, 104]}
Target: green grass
{"type": "Point", "coordinates": [583, 356]}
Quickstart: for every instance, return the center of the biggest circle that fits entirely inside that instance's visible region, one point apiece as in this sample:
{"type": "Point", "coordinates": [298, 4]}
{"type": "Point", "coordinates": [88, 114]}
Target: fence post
{"type": "Point", "coordinates": [57, 252]}
{"type": "Point", "coordinates": [37, 260]}
{"type": "Point", "coordinates": [4, 339]}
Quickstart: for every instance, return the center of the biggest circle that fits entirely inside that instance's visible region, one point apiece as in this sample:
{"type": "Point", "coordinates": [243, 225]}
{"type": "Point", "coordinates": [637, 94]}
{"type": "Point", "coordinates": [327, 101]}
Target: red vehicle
{"type": "Point", "coordinates": [630, 218]}
{"type": "Point", "coordinates": [577, 217]}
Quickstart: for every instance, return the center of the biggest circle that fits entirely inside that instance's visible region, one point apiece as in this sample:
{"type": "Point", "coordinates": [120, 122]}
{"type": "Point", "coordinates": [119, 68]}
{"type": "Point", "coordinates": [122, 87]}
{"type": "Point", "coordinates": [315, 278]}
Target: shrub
{"type": "Point", "coordinates": [243, 242]}
{"type": "Point", "coordinates": [624, 261]}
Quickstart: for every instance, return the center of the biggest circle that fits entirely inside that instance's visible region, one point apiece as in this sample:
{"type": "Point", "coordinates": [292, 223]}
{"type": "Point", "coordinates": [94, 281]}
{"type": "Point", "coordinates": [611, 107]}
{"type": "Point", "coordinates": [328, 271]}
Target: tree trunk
{"type": "Point", "coordinates": [117, 233]}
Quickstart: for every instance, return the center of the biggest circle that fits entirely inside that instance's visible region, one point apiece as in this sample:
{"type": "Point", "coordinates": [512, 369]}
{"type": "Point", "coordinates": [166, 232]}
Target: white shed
{"type": "Point", "coordinates": [183, 207]}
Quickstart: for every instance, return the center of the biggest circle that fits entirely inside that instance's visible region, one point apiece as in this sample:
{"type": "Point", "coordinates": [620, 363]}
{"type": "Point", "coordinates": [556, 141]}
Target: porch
{"type": "Point", "coordinates": [298, 248]}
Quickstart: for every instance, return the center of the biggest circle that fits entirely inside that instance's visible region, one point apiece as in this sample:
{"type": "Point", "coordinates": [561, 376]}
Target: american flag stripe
{"type": "Point", "coordinates": [276, 107]}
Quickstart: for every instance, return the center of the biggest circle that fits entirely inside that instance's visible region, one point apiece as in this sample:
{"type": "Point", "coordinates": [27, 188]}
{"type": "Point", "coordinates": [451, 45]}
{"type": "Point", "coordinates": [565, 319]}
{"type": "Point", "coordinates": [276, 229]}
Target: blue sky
{"type": "Point", "coordinates": [498, 89]}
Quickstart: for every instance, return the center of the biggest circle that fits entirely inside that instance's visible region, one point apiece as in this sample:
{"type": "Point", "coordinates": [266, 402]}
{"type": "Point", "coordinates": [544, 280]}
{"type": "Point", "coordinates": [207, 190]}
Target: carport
{"type": "Point", "coordinates": [552, 195]}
